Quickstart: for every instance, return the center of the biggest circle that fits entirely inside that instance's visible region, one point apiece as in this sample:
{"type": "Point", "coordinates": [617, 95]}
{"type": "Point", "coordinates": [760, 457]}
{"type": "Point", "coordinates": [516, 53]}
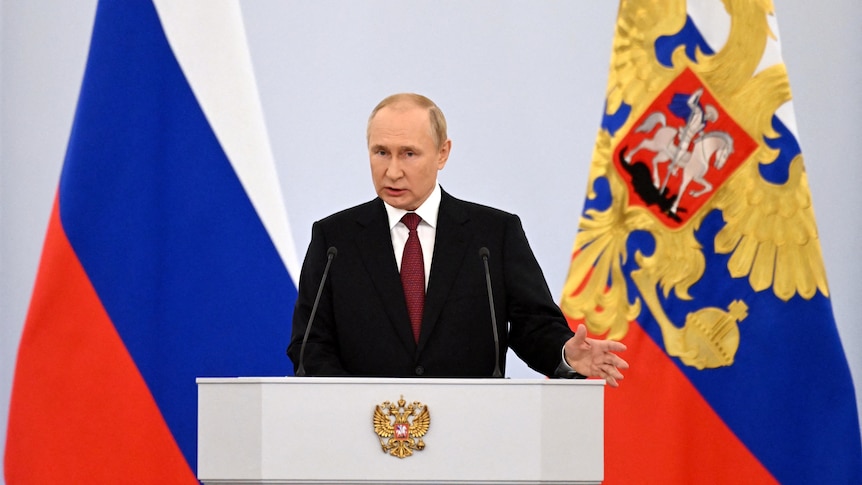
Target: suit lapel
{"type": "Point", "coordinates": [375, 246]}
{"type": "Point", "coordinates": [450, 249]}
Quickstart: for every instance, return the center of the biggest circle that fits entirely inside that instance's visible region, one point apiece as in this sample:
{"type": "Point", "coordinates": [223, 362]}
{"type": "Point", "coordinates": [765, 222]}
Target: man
{"type": "Point", "coordinates": [373, 320]}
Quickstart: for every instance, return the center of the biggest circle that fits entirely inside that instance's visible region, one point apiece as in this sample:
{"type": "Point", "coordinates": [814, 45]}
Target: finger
{"type": "Point", "coordinates": [615, 346]}
{"type": "Point", "coordinates": [610, 360]}
{"type": "Point", "coordinates": [608, 371]}
{"type": "Point", "coordinates": [607, 345]}
{"type": "Point", "coordinates": [618, 362]}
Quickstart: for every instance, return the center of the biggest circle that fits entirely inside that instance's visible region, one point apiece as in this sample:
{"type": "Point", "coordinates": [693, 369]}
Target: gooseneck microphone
{"type": "Point", "coordinates": [484, 254]}
{"type": "Point", "coordinates": [330, 255]}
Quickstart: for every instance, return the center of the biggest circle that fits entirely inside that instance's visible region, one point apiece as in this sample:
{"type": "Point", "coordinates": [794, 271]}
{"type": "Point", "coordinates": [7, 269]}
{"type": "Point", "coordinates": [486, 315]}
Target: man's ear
{"type": "Point", "coordinates": [443, 154]}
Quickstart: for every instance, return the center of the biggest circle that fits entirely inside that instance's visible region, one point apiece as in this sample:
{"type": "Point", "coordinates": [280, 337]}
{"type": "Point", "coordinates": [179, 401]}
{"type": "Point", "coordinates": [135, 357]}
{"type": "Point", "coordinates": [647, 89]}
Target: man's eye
{"type": "Point", "coordinates": [410, 154]}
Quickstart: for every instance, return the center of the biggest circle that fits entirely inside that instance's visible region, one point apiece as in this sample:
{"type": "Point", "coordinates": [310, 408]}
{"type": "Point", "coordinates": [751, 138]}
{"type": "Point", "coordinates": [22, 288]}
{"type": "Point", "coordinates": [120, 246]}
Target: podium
{"type": "Point", "coordinates": [289, 430]}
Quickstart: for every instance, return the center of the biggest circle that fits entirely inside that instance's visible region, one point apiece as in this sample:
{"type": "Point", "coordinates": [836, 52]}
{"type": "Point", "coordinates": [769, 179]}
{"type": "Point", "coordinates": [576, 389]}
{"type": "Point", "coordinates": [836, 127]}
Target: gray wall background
{"type": "Point", "coordinates": [521, 83]}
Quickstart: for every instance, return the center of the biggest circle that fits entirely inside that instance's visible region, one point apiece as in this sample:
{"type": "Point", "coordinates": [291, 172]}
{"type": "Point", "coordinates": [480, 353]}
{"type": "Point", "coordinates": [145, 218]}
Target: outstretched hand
{"type": "Point", "coordinates": [595, 358]}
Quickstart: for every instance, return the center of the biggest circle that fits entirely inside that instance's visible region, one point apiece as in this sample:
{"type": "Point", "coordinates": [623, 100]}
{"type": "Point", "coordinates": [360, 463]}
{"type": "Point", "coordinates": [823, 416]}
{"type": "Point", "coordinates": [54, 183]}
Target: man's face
{"type": "Point", "coordinates": [404, 157]}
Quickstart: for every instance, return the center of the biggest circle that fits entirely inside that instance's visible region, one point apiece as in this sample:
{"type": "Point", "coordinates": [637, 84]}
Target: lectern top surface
{"type": "Point", "coordinates": [385, 380]}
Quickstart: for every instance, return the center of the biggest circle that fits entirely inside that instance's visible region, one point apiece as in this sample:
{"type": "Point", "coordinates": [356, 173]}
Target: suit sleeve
{"type": "Point", "coordinates": [321, 351]}
{"type": "Point", "coordinates": [538, 330]}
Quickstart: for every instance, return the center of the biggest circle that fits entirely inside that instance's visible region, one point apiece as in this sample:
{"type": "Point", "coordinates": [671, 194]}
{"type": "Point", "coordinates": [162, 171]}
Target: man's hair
{"type": "Point", "coordinates": [435, 115]}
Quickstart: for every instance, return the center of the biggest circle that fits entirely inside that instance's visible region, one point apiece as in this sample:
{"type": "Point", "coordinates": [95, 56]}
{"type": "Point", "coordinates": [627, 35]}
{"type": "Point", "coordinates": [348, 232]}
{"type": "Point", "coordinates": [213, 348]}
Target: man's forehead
{"type": "Point", "coordinates": [401, 108]}
{"type": "Point", "coordinates": [399, 122]}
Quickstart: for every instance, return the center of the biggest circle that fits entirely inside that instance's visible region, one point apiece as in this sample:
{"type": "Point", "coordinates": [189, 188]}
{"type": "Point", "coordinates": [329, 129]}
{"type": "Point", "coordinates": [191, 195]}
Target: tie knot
{"type": "Point", "coordinates": [411, 220]}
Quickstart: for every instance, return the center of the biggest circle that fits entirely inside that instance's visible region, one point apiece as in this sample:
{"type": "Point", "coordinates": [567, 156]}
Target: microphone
{"type": "Point", "coordinates": [330, 255]}
{"type": "Point", "coordinates": [484, 254]}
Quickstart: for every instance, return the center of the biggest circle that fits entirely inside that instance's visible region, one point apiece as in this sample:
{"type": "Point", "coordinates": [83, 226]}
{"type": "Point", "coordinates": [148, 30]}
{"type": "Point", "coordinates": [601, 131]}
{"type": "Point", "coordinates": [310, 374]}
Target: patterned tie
{"type": "Point", "coordinates": [413, 274]}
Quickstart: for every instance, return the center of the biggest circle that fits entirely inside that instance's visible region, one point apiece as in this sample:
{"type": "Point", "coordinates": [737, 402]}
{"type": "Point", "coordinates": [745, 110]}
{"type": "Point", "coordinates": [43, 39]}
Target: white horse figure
{"type": "Point", "coordinates": [695, 165]}
{"type": "Point", "coordinates": [662, 143]}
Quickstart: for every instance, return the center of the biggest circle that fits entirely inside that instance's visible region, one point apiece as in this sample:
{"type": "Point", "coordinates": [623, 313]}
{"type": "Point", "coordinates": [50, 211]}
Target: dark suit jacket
{"type": "Point", "coordinates": [362, 328]}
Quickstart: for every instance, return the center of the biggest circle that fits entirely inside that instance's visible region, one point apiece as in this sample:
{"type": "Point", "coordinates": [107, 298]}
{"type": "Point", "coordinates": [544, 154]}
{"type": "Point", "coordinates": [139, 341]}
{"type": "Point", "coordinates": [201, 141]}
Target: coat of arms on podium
{"type": "Point", "coordinates": [401, 426]}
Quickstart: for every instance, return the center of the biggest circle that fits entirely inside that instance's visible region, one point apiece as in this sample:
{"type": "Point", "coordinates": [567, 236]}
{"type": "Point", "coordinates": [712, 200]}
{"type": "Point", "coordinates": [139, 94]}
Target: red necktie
{"type": "Point", "coordinates": [413, 274]}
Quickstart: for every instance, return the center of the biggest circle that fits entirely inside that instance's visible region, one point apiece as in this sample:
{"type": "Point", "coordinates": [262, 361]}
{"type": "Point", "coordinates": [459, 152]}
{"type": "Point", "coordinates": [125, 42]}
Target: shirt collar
{"type": "Point", "coordinates": [427, 211]}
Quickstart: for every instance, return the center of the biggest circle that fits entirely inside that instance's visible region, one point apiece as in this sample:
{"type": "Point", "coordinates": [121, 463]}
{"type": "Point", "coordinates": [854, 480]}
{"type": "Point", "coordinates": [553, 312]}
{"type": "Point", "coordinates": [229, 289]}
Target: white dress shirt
{"type": "Point", "coordinates": [427, 229]}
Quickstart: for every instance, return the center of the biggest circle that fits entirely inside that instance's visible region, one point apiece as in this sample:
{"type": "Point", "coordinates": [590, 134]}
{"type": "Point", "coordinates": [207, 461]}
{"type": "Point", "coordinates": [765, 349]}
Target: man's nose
{"type": "Point", "coordinates": [393, 170]}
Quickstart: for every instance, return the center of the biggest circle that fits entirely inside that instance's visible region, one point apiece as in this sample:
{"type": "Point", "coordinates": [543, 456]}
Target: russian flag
{"type": "Point", "coordinates": [168, 254]}
{"type": "Point", "coordinates": [698, 248]}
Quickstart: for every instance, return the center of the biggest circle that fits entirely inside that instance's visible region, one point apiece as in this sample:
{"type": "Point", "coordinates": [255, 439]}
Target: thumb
{"type": "Point", "coordinates": [580, 335]}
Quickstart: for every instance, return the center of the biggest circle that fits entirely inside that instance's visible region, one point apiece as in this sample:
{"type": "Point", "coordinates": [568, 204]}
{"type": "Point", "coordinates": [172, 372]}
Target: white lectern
{"type": "Point", "coordinates": [321, 430]}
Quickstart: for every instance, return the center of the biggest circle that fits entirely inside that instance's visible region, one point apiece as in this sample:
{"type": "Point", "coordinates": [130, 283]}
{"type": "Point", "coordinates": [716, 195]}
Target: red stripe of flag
{"type": "Point", "coordinates": [77, 390]}
{"type": "Point", "coordinates": [643, 419]}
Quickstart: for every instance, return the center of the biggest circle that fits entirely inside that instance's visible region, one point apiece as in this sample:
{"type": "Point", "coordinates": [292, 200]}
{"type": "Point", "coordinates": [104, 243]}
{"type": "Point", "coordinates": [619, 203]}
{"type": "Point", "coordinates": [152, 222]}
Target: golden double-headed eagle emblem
{"type": "Point", "coordinates": [401, 426]}
{"type": "Point", "coordinates": [697, 135]}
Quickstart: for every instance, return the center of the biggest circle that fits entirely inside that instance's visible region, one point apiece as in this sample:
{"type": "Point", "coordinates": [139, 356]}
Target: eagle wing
{"type": "Point", "coordinates": [421, 423]}
{"type": "Point", "coordinates": [771, 233]}
{"type": "Point", "coordinates": [382, 425]}
{"type": "Point", "coordinates": [636, 70]}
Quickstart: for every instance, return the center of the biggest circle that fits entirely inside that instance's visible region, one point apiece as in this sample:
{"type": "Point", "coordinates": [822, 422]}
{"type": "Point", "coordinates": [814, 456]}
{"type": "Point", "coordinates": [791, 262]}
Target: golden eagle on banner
{"type": "Point", "coordinates": [698, 248]}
